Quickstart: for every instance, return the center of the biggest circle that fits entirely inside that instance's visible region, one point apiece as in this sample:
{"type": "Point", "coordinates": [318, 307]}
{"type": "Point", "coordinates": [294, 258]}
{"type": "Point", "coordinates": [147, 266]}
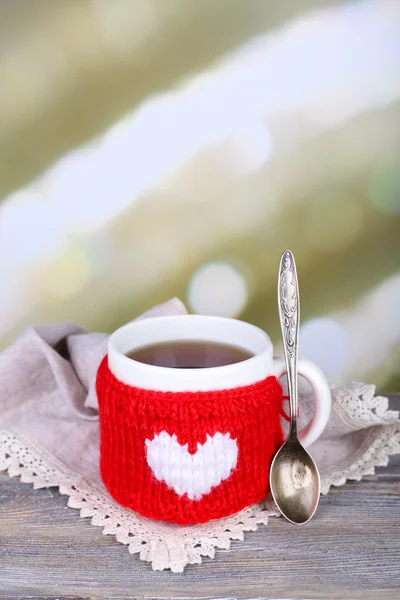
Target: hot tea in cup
{"type": "Point", "coordinates": [191, 354]}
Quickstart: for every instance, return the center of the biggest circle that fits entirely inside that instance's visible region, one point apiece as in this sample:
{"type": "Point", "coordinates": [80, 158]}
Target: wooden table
{"type": "Point", "coordinates": [350, 550]}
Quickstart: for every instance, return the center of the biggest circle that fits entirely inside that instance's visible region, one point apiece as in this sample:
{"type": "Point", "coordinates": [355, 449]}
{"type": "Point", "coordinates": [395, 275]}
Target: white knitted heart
{"type": "Point", "coordinates": [192, 474]}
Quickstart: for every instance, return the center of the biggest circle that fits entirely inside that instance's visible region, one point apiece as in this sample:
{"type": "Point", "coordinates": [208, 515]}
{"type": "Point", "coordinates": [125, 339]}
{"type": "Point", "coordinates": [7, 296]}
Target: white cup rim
{"type": "Point", "coordinates": [190, 327]}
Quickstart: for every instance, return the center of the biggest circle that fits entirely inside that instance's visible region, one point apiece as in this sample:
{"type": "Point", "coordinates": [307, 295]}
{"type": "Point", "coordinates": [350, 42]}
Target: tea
{"type": "Point", "coordinates": [189, 354]}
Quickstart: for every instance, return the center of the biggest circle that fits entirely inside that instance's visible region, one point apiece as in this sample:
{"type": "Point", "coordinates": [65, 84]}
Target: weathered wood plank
{"type": "Point", "coordinates": [351, 550]}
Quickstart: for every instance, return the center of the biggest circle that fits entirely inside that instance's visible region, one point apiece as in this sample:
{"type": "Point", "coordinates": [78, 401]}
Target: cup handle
{"type": "Point", "coordinates": [313, 374]}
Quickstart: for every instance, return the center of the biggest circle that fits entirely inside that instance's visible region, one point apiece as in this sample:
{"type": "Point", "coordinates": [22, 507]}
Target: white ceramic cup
{"type": "Point", "coordinates": [219, 330]}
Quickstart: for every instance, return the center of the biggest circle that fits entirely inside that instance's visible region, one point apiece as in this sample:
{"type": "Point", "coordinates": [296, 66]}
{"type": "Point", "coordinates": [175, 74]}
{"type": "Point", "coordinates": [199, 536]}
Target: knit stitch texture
{"type": "Point", "coordinates": [187, 457]}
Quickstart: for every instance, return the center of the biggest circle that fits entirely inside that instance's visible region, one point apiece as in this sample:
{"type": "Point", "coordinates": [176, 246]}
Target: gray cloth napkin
{"type": "Point", "coordinates": [47, 394]}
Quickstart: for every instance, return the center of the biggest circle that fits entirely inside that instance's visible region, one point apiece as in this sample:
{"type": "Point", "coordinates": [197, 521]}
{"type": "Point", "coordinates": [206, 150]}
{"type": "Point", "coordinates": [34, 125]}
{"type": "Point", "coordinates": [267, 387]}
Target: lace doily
{"type": "Point", "coordinates": [169, 546]}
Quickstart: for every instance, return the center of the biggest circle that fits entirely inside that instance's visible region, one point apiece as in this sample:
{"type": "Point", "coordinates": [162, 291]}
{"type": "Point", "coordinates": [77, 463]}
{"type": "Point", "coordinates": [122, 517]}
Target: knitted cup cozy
{"type": "Point", "coordinates": [187, 457]}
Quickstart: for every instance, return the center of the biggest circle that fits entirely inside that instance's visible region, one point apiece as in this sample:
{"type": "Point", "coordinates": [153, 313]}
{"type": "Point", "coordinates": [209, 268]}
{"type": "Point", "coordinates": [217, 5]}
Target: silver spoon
{"type": "Point", "coordinates": [294, 477]}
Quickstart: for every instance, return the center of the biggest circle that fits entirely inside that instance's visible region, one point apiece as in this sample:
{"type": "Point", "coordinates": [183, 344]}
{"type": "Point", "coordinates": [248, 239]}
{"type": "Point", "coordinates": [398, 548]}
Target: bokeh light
{"type": "Point", "coordinates": [217, 289]}
{"type": "Point", "coordinates": [326, 342]}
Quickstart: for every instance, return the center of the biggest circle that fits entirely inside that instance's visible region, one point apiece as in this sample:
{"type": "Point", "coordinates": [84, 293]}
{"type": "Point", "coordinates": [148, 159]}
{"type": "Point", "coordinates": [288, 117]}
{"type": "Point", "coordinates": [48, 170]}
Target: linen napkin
{"type": "Point", "coordinates": [49, 436]}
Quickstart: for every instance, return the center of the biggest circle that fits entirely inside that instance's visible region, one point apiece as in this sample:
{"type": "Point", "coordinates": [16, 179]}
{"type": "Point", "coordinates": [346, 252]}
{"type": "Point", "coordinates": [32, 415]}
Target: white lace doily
{"type": "Point", "coordinates": [169, 546]}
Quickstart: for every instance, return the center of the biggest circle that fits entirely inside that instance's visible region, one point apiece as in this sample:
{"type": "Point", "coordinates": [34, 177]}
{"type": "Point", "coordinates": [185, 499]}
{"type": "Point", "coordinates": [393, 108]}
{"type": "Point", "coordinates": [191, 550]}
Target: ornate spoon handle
{"type": "Point", "coordinates": [289, 314]}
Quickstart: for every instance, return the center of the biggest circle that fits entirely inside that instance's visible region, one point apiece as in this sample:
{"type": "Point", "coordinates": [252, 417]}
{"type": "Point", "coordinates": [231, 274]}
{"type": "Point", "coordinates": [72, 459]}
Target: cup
{"type": "Point", "coordinates": [192, 445]}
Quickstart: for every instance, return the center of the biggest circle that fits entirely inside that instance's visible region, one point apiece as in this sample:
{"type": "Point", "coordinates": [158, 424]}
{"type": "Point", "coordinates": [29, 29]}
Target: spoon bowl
{"type": "Point", "coordinates": [295, 482]}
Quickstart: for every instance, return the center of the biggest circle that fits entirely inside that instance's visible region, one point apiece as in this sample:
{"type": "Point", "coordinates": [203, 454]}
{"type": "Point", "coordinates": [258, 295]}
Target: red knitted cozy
{"type": "Point", "coordinates": [187, 457]}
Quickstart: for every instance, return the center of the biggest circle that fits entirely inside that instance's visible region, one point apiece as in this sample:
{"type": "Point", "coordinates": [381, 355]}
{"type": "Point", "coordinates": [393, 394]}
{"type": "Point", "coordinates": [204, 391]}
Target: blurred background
{"type": "Point", "coordinates": [158, 148]}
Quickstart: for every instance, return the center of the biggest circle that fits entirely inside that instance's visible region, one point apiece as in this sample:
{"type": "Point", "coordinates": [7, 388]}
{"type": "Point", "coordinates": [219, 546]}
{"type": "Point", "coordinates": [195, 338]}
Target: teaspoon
{"type": "Point", "coordinates": [294, 478]}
